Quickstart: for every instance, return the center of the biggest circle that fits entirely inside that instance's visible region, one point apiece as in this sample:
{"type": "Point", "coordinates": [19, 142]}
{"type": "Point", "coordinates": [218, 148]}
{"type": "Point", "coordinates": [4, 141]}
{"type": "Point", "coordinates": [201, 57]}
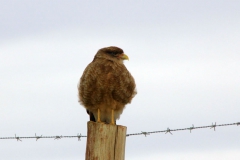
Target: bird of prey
{"type": "Point", "coordinates": [106, 86]}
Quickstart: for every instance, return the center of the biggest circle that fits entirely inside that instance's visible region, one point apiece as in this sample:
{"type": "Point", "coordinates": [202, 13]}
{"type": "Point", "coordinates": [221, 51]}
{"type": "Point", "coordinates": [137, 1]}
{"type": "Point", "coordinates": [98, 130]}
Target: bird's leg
{"type": "Point", "coordinates": [98, 119]}
{"type": "Point", "coordinates": [113, 121]}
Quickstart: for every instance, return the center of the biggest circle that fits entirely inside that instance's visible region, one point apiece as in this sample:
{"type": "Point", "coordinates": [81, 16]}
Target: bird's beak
{"type": "Point", "coordinates": [124, 57]}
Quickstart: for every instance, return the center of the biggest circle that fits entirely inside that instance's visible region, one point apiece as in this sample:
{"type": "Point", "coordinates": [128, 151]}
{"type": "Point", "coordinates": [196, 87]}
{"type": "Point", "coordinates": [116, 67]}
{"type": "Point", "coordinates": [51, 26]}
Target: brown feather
{"type": "Point", "coordinates": [106, 84]}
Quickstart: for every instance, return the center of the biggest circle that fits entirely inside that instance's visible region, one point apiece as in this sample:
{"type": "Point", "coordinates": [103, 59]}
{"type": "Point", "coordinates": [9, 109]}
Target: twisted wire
{"type": "Point", "coordinates": [79, 136]}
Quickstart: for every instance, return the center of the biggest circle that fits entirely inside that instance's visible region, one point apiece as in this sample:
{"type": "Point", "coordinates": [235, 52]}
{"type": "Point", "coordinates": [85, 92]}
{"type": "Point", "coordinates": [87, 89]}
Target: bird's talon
{"type": "Point", "coordinates": [100, 122]}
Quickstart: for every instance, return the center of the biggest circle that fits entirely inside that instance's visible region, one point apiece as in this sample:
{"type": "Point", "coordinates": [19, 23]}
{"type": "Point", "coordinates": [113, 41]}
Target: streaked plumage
{"type": "Point", "coordinates": [106, 84]}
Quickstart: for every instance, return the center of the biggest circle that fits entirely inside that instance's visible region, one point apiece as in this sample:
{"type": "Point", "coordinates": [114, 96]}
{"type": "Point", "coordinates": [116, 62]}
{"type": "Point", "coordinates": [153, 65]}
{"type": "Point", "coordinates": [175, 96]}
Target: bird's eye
{"type": "Point", "coordinates": [112, 53]}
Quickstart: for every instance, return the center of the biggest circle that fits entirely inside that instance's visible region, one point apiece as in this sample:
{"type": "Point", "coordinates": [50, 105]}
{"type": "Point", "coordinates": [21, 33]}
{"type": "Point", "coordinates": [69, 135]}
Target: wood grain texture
{"type": "Point", "coordinates": [120, 142]}
{"type": "Point", "coordinates": [105, 141]}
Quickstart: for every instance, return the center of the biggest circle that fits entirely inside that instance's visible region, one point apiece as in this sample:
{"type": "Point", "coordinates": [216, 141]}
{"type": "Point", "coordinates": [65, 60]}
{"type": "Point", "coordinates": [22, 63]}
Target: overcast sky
{"type": "Point", "coordinates": [184, 56]}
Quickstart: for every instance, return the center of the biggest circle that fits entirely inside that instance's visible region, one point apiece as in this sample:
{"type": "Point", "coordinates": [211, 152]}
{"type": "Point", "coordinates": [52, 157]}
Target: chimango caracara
{"type": "Point", "coordinates": [106, 85]}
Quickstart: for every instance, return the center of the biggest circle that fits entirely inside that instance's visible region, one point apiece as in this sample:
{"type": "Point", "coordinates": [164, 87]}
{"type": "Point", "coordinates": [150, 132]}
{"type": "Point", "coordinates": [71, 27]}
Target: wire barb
{"type": "Point", "coordinates": [37, 137]}
{"type": "Point", "coordinates": [79, 136]}
{"type": "Point", "coordinates": [145, 133]}
{"type": "Point", "coordinates": [214, 126]}
{"type": "Point", "coordinates": [18, 138]}
{"type": "Point", "coordinates": [238, 123]}
{"type": "Point", "coordinates": [58, 137]}
{"type": "Point", "coordinates": [168, 131]}
{"type": "Point", "coordinates": [191, 128]}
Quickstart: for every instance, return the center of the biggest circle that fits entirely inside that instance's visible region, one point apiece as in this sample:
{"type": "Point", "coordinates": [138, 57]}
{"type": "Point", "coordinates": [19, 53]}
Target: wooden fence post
{"type": "Point", "coordinates": [105, 141]}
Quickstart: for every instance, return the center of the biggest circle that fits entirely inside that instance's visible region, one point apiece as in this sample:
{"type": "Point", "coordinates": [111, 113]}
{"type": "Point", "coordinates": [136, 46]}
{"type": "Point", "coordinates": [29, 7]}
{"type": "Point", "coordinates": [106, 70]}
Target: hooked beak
{"type": "Point", "coordinates": [124, 57]}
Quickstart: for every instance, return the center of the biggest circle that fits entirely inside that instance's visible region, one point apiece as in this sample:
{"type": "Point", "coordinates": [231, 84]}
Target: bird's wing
{"type": "Point", "coordinates": [125, 87]}
{"type": "Point", "coordinates": [88, 89]}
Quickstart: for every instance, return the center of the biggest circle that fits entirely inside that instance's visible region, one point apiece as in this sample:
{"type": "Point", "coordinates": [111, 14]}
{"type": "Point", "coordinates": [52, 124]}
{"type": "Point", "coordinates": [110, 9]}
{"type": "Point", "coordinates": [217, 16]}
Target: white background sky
{"type": "Point", "coordinates": [184, 55]}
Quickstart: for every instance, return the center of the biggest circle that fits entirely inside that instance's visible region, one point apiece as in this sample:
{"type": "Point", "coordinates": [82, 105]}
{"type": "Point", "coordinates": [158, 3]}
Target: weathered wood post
{"type": "Point", "coordinates": [105, 141]}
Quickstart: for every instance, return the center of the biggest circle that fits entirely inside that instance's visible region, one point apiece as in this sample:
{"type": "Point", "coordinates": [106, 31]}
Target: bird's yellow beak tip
{"type": "Point", "coordinates": [125, 57]}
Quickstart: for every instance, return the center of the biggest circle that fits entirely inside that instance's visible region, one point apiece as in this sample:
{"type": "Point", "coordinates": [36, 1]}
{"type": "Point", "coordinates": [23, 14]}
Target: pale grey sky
{"type": "Point", "coordinates": [184, 56]}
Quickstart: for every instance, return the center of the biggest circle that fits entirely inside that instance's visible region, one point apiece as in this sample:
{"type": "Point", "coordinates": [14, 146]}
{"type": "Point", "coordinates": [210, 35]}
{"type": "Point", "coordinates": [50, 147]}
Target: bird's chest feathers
{"type": "Point", "coordinates": [109, 76]}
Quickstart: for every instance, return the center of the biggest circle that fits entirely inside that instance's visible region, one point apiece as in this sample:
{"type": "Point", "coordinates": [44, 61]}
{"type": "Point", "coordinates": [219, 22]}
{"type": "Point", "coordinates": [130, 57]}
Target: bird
{"type": "Point", "coordinates": [106, 86]}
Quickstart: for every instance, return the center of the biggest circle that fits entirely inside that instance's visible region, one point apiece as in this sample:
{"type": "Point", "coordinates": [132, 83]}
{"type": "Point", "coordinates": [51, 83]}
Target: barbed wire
{"type": "Point", "coordinates": [213, 126]}
{"type": "Point", "coordinates": [79, 136]}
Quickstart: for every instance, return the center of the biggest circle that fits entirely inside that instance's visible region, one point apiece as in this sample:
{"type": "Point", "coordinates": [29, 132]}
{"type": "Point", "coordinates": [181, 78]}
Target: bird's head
{"type": "Point", "coordinates": [112, 53]}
